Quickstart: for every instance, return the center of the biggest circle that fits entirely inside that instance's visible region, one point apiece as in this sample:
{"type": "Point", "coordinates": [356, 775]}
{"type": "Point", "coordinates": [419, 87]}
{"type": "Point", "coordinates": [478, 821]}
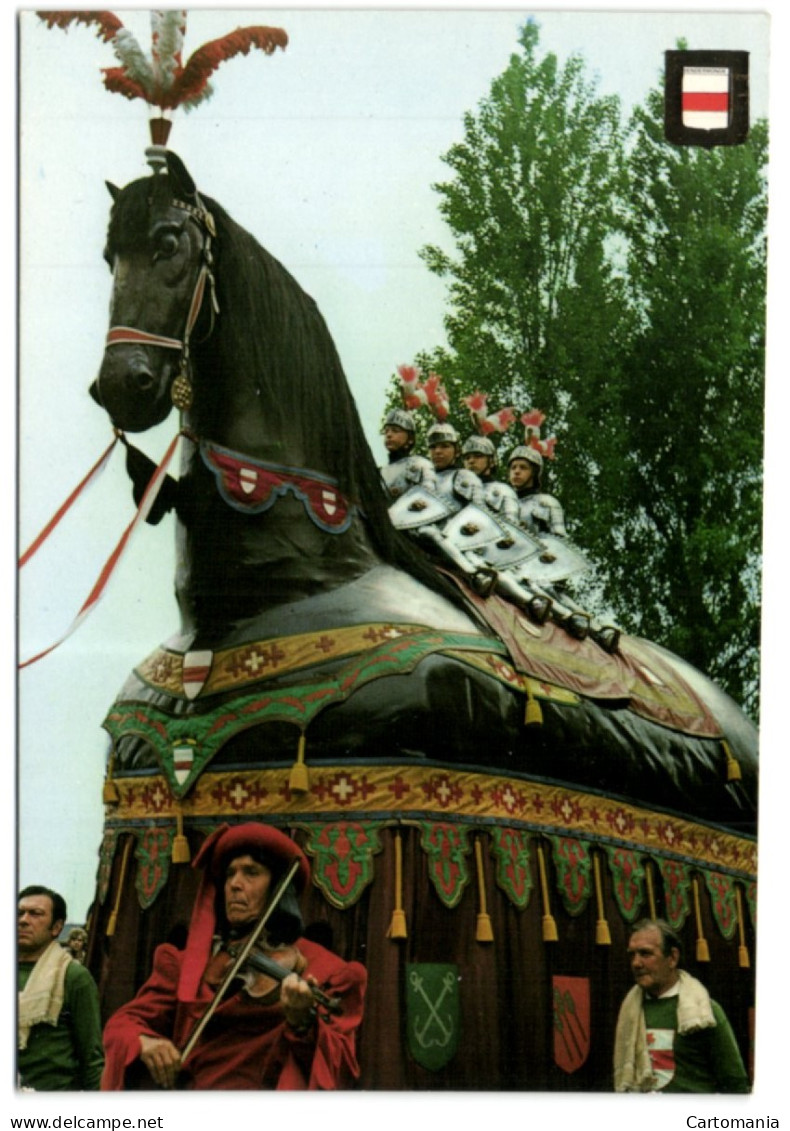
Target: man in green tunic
{"type": "Point", "coordinates": [671, 1036]}
{"type": "Point", "coordinates": [59, 1027]}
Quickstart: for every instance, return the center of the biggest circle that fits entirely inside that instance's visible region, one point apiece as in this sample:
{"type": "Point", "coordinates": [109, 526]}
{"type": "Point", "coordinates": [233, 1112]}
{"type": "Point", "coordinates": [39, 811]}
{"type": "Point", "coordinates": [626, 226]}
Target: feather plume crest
{"type": "Point", "coordinates": [134, 61]}
{"type": "Point", "coordinates": [107, 23]}
{"type": "Point", "coordinates": [486, 422]}
{"type": "Point", "coordinates": [205, 60]}
{"type": "Point", "coordinates": [162, 81]}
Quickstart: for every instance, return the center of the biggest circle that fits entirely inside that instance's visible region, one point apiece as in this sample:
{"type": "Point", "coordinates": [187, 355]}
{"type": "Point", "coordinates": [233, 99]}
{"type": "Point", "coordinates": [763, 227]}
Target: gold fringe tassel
{"type": "Point", "coordinates": [703, 953]}
{"type": "Point", "coordinates": [549, 926]}
{"type": "Point", "coordinates": [397, 927]}
{"type": "Point", "coordinates": [180, 853]}
{"type": "Point", "coordinates": [110, 794]}
{"type": "Point", "coordinates": [651, 895]}
{"type": "Point", "coordinates": [113, 919]}
{"type": "Point", "coordinates": [733, 769]}
{"type": "Point", "coordinates": [299, 780]}
{"type": "Point", "coordinates": [602, 934]}
{"type": "Point", "coordinates": [743, 950]}
{"type": "Point", "coordinates": [484, 932]}
{"type": "Point", "coordinates": [533, 715]}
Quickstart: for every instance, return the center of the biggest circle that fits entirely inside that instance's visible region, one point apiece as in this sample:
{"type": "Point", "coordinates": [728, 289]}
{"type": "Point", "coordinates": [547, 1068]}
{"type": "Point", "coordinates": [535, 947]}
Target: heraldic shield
{"type": "Point", "coordinates": [433, 1013]}
{"type": "Point", "coordinates": [571, 1022]}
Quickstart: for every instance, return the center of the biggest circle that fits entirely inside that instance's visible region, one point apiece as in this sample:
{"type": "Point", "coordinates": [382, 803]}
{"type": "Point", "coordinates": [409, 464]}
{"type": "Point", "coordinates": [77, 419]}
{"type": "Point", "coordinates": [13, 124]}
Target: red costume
{"type": "Point", "coordinates": [246, 1045]}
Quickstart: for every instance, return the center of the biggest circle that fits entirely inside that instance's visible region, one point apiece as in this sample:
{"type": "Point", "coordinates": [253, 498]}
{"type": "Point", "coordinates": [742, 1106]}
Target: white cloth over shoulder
{"type": "Point", "coordinates": [41, 1001]}
{"type": "Point", "coordinates": [633, 1070]}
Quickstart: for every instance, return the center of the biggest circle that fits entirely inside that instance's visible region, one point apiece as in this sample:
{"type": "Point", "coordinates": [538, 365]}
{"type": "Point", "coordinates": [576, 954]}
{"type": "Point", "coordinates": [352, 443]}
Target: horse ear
{"type": "Point", "coordinates": [179, 176]}
{"type": "Point", "coordinates": [113, 190]}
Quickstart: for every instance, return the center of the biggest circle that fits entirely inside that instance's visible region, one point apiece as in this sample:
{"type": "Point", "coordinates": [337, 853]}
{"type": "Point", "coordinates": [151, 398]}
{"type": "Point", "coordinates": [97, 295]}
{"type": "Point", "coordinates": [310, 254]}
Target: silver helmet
{"type": "Point", "coordinates": [400, 418]}
{"type": "Point", "coordinates": [442, 433]}
{"type": "Point", "coordinates": [478, 445]}
{"type": "Point", "coordinates": [527, 452]}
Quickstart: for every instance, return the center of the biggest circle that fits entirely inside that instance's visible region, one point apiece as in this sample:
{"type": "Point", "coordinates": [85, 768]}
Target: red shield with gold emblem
{"type": "Point", "coordinates": [571, 1021]}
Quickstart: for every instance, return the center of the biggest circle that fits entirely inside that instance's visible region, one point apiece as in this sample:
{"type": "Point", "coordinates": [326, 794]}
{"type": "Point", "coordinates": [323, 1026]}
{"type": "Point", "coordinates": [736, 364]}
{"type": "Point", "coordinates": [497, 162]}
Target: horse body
{"type": "Point", "coordinates": [285, 552]}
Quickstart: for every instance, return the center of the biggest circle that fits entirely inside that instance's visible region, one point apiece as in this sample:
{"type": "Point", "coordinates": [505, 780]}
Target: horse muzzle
{"type": "Point", "coordinates": [132, 390]}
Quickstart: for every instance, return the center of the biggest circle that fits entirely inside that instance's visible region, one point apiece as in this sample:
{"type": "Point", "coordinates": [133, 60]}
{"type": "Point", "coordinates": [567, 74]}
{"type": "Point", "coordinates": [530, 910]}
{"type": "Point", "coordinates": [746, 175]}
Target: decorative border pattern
{"type": "Point", "coordinates": [628, 880]}
{"type": "Point", "coordinates": [342, 855]}
{"type": "Point", "coordinates": [256, 661]}
{"type": "Point", "coordinates": [418, 792]}
{"type": "Point", "coordinates": [573, 868]}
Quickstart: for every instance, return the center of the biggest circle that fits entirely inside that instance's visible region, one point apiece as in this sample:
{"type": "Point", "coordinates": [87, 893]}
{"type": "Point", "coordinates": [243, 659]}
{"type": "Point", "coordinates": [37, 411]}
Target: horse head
{"type": "Point", "coordinates": [159, 250]}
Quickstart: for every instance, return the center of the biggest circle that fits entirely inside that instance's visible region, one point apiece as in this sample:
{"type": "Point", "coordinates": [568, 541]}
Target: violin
{"type": "Point", "coordinates": [263, 971]}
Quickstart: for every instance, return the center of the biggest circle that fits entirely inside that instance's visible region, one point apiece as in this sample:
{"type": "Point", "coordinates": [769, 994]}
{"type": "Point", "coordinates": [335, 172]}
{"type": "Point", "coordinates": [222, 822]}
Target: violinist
{"type": "Point", "coordinates": [286, 1019]}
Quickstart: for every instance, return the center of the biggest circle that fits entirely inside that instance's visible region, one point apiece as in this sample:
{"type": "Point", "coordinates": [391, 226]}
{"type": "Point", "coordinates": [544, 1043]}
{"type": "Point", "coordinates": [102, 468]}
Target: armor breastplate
{"type": "Point", "coordinates": [459, 487]}
{"type": "Point", "coordinates": [501, 499]}
{"type": "Point", "coordinates": [542, 514]}
{"type": "Point", "coordinates": [402, 474]}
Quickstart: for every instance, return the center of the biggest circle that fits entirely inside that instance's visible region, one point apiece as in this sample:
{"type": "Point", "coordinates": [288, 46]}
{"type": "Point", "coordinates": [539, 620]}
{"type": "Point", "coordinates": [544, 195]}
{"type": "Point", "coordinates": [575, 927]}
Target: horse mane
{"type": "Point", "coordinates": [271, 333]}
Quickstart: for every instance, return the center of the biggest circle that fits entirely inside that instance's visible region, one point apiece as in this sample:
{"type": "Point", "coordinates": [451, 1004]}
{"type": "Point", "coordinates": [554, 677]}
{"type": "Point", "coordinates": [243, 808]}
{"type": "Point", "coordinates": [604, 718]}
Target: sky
{"type": "Point", "coordinates": [327, 153]}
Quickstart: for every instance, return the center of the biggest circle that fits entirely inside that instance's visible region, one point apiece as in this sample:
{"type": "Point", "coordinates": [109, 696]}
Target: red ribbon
{"type": "Point", "coordinates": [97, 592]}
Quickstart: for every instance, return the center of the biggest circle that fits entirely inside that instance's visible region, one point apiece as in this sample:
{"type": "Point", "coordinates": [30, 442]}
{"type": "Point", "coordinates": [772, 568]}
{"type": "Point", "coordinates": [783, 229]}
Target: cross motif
{"type": "Point", "coordinates": [375, 635]}
{"type": "Point", "coordinates": [237, 794]}
{"type": "Point", "coordinates": [399, 787]}
{"type": "Point", "coordinates": [343, 789]}
{"type": "Point", "coordinates": [156, 797]}
{"type": "Point", "coordinates": [161, 669]}
{"type": "Point", "coordinates": [325, 644]}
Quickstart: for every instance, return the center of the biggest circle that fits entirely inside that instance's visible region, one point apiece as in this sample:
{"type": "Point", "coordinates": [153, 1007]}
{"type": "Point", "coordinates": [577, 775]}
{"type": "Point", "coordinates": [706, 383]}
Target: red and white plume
{"type": "Point", "coordinates": [436, 394]}
{"type": "Point", "coordinates": [532, 421]}
{"type": "Point", "coordinates": [411, 390]}
{"type": "Point", "coordinates": [486, 422]}
{"type": "Point", "coordinates": [416, 394]}
{"type": "Point", "coordinates": [163, 80]}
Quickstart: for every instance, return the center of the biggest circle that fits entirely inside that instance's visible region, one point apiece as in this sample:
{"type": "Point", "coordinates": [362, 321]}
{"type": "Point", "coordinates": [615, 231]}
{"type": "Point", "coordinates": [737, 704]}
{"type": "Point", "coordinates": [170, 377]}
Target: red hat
{"type": "Point", "coordinates": [218, 849]}
{"type": "Point", "coordinates": [216, 852]}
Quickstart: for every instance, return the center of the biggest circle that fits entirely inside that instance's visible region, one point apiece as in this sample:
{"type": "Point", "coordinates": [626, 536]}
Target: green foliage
{"type": "Point", "coordinates": [617, 283]}
{"type": "Point", "coordinates": [694, 407]}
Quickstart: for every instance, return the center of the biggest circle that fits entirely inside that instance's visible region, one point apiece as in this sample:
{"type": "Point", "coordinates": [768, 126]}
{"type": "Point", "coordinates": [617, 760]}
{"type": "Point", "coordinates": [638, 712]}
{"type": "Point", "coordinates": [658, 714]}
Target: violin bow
{"type": "Point", "coordinates": [240, 959]}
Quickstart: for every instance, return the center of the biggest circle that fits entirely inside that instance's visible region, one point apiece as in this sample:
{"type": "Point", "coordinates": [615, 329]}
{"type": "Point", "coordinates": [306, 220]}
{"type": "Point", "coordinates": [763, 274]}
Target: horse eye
{"type": "Point", "coordinates": [166, 245]}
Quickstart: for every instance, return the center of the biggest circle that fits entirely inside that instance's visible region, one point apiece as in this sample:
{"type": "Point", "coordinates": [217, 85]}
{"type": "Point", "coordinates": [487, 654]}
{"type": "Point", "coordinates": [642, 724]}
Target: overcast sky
{"type": "Point", "coordinates": [327, 153]}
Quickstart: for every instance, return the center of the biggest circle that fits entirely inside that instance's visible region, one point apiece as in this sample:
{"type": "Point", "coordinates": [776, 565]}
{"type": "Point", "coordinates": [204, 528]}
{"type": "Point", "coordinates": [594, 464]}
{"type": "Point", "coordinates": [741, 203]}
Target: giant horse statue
{"type": "Point", "coordinates": [487, 802]}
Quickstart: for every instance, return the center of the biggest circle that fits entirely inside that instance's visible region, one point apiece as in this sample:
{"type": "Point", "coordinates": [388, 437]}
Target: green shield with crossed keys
{"type": "Point", "coordinates": [433, 1013]}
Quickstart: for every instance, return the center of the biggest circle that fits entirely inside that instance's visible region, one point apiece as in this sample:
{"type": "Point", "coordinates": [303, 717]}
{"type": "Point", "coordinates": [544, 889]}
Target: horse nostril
{"type": "Point", "coordinates": [144, 379]}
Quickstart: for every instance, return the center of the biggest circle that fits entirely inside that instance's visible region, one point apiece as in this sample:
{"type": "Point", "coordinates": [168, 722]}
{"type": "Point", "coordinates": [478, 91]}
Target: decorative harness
{"type": "Point", "coordinates": [181, 389]}
{"type": "Point", "coordinates": [245, 484]}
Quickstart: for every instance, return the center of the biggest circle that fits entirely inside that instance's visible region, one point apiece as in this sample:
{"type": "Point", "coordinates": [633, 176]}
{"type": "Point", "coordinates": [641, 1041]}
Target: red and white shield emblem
{"type": "Point", "coordinates": [571, 1022]}
{"type": "Point", "coordinates": [183, 760]}
{"type": "Point", "coordinates": [248, 479]}
{"type": "Point", "coordinates": [330, 501]}
{"type": "Point", "coordinates": [197, 666]}
{"type": "Point", "coordinates": [706, 98]}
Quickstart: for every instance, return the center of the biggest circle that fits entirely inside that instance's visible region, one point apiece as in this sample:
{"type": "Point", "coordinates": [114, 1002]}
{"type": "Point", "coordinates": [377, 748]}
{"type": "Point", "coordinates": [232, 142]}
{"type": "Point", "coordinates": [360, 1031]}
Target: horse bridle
{"type": "Point", "coordinates": [181, 388]}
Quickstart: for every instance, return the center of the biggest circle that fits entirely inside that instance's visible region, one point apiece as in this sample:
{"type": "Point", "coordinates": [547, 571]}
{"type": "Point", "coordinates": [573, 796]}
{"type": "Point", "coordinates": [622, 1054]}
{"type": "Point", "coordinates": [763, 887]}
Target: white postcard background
{"type": "Point", "coordinates": [327, 153]}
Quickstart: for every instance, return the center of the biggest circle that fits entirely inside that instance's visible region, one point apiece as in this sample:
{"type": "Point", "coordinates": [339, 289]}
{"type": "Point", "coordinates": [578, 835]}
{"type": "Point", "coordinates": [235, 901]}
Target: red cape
{"type": "Point", "coordinates": [246, 1045]}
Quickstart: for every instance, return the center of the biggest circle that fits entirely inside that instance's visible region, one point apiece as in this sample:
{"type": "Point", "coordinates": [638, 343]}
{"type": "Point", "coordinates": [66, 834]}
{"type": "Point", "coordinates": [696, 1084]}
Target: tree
{"type": "Point", "coordinates": [618, 284]}
{"type": "Point", "coordinates": [688, 572]}
{"type": "Point", "coordinates": [537, 315]}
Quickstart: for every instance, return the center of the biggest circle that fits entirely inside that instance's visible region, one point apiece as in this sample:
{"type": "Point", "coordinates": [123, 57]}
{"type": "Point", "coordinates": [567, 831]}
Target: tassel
{"type": "Point", "coordinates": [733, 769]}
{"type": "Point", "coordinates": [651, 895]}
{"type": "Point", "coordinates": [397, 927]}
{"type": "Point", "coordinates": [743, 950]}
{"type": "Point", "coordinates": [703, 953]}
{"type": "Point", "coordinates": [180, 853]}
{"type": "Point", "coordinates": [113, 919]}
{"type": "Point", "coordinates": [110, 792]}
{"type": "Point", "coordinates": [602, 935]}
{"type": "Point", "coordinates": [533, 716]}
{"type": "Point", "coordinates": [549, 926]}
{"type": "Point", "coordinates": [299, 781]}
{"type": "Point", "coordinates": [484, 932]}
